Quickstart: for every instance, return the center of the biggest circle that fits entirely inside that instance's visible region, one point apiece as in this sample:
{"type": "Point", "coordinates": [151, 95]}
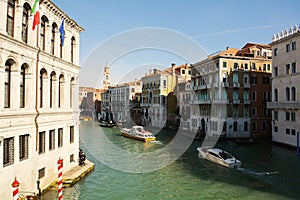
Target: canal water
{"type": "Point", "coordinates": [268, 172]}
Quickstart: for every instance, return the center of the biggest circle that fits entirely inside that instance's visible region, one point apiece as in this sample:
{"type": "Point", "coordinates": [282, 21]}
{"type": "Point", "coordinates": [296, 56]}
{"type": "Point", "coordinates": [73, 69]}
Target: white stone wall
{"type": "Point", "coordinates": [16, 121]}
{"type": "Point", "coordinates": [281, 82]}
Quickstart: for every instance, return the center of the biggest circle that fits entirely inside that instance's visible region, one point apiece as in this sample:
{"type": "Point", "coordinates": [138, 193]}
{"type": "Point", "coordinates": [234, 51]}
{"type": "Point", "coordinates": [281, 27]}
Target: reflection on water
{"type": "Point", "coordinates": [268, 172]}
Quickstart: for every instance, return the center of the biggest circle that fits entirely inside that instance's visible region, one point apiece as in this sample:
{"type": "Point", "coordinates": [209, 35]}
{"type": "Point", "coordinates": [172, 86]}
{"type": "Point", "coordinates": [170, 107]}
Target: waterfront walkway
{"type": "Point", "coordinates": [76, 173]}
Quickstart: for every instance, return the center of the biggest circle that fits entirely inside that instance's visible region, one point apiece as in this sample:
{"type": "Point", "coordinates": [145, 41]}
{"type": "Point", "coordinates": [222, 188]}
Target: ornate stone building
{"type": "Point", "coordinates": [39, 120]}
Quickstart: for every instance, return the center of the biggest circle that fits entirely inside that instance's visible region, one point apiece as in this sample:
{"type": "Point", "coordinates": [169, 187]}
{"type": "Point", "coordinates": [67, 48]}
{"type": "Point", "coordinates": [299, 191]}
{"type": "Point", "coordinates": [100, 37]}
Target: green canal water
{"type": "Point", "coordinates": [268, 172]}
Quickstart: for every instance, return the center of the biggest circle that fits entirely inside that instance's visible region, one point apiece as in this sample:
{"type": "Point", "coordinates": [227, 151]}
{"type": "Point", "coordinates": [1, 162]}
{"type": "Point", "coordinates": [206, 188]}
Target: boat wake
{"type": "Point", "coordinates": [252, 172]}
{"type": "Point", "coordinates": [156, 142]}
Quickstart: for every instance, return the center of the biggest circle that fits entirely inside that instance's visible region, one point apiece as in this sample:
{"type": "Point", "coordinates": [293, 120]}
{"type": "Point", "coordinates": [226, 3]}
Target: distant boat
{"type": "Point", "coordinates": [243, 140]}
{"type": "Point", "coordinates": [220, 157]}
{"type": "Point", "coordinates": [138, 133]}
{"type": "Point", "coordinates": [107, 120]}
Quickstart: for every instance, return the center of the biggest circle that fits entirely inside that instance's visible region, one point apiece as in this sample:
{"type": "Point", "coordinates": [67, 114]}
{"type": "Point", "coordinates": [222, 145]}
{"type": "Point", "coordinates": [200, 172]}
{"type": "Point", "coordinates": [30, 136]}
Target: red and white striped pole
{"type": "Point", "coordinates": [60, 184]}
{"type": "Point", "coordinates": [15, 186]}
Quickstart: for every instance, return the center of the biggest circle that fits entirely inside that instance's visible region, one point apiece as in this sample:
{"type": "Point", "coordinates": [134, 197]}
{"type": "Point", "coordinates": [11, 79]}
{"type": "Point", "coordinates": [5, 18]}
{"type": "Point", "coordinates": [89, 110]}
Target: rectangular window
{"type": "Point", "coordinates": [288, 48]}
{"type": "Point", "coordinates": [42, 141]}
{"type": "Point", "coordinates": [275, 71]}
{"type": "Point", "coordinates": [293, 117]}
{"type": "Point", "coordinates": [71, 134]}
{"type": "Point", "coordinates": [268, 67]}
{"type": "Point", "coordinates": [264, 67]}
{"type": "Point", "coordinates": [276, 129]}
{"type": "Point", "coordinates": [246, 66]}
{"type": "Point", "coordinates": [254, 126]}
{"type": "Point", "coordinates": [287, 69]}
{"type": "Point", "coordinates": [253, 66]}
{"type": "Point", "coordinates": [287, 116]}
{"type": "Point", "coordinates": [60, 137]}
{"type": "Point", "coordinates": [165, 83]}
{"type": "Point", "coordinates": [224, 64]}
{"type": "Point", "coordinates": [41, 173]}
{"type": "Point", "coordinates": [235, 111]}
{"type": "Point", "coordinates": [293, 68]}
{"type": "Point", "coordinates": [72, 158]}
{"type": "Point", "coordinates": [253, 111]}
{"type": "Point", "coordinates": [8, 151]}
{"type": "Point", "coordinates": [23, 147]}
{"type": "Point", "coordinates": [287, 131]}
{"type": "Point", "coordinates": [246, 111]}
{"type": "Point", "coordinates": [276, 115]}
{"type": "Point", "coordinates": [275, 51]}
{"type": "Point", "coordinates": [236, 65]}
{"type": "Point", "coordinates": [293, 132]}
{"type": "Point", "coordinates": [293, 46]}
{"type": "Point", "coordinates": [264, 126]}
{"type": "Point", "coordinates": [51, 140]}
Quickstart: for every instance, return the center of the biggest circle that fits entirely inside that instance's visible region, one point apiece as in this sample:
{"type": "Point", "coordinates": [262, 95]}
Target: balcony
{"type": "Point", "coordinates": [236, 85]}
{"type": "Point", "coordinates": [221, 101]}
{"type": "Point", "coordinates": [247, 101]}
{"type": "Point", "coordinates": [284, 105]}
{"type": "Point", "coordinates": [236, 101]}
{"type": "Point", "coordinates": [225, 84]}
{"type": "Point", "coordinates": [202, 101]}
{"type": "Point", "coordinates": [216, 85]}
{"type": "Point", "coordinates": [246, 85]}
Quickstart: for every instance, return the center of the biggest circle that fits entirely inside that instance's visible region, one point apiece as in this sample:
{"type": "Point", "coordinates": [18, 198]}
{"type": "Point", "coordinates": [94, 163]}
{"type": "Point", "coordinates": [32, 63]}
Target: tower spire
{"type": "Point", "coordinates": [106, 80]}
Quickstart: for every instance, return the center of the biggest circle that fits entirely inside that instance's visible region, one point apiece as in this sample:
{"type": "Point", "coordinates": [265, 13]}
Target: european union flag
{"type": "Point", "coordinates": [62, 32]}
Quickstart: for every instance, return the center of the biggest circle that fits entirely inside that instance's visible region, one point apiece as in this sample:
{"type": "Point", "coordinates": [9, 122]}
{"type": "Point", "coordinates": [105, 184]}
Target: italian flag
{"type": "Point", "coordinates": [37, 17]}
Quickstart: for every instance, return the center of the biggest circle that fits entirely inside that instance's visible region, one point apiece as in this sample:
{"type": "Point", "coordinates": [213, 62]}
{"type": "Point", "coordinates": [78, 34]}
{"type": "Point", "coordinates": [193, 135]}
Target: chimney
{"type": "Point", "coordinates": [227, 48]}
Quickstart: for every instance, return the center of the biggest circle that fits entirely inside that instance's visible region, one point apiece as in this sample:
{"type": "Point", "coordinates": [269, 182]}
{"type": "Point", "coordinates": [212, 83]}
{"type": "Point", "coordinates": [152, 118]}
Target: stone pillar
{"type": "Point", "coordinates": [3, 11]}
{"type": "Point", "coordinates": [15, 89]}
{"type": "Point", "coordinates": [2, 69]}
{"type": "Point", "coordinates": [18, 22]}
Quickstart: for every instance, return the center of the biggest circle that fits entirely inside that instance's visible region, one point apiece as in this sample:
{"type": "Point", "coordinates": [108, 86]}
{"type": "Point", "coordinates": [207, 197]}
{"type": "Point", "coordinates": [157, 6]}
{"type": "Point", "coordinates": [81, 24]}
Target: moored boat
{"type": "Point", "coordinates": [138, 133]}
{"type": "Point", "coordinates": [220, 157]}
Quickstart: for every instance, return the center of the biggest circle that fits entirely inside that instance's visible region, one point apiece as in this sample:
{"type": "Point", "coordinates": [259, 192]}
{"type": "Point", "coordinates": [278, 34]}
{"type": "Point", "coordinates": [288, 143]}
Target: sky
{"type": "Point", "coordinates": [117, 32]}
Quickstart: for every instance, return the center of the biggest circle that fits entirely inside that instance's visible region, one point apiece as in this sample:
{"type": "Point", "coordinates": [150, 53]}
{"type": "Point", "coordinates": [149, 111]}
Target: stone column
{"type": "Point", "coordinates": [3, 11]}
{"type": "Point", "coordinates": [15, 89]}
{"type": "Point", "coordinates": [18, 22]}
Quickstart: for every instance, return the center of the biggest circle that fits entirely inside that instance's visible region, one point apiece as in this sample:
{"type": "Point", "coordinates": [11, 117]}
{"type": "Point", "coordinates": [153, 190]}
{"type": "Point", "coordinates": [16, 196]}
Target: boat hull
{"type": "Point", "coordinates": [231, 163]}
{"type": "Point", "coordinates": [137, 138]}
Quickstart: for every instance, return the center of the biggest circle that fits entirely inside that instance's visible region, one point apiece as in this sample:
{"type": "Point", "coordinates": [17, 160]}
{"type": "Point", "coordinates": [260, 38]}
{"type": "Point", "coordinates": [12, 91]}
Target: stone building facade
{"type": "Point", "coordinates": [39, 120]}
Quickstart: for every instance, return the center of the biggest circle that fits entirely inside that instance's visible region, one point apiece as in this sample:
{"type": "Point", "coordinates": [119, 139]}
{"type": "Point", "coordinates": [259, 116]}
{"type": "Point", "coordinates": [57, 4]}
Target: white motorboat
{"type": "Point", "coordinates": [220, 157]}
{"type": "Point", "coordinates": [138, 133]}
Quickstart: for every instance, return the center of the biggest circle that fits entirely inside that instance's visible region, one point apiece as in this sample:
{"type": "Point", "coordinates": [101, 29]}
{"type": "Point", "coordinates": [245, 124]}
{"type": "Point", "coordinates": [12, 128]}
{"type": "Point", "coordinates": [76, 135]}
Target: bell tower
{"type": "Point", "coordinates": [106, 80]}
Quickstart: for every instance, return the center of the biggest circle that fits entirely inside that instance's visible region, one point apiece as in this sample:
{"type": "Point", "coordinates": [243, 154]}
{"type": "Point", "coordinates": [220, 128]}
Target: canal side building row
{"type": "Point", "coordinates": [38, 88]}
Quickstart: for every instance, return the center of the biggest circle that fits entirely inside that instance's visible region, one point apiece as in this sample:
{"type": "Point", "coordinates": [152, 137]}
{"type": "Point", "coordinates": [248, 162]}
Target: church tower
{"type": "Point", "coordinates": [106, 80]}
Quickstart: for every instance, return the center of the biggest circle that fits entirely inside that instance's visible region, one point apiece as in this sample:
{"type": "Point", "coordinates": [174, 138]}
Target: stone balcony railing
{"type": "Point", "coordinates": [284, 105]}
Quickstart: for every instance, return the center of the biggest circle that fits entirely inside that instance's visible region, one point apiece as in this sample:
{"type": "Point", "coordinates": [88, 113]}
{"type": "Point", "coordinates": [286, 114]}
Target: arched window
{"type": "Point", "coordinates": [10, 17]}
{"type": "Point", "coordinates": [72, 86]}
{"type": "Point", "coordinates": [293, 94]}
{"type": "Point", "coordinates": [235, 126]}
{"type": "Point", "coordinates": [245, 126]}
{"type": "Point", "coordinates": [22, 85]}
{"type": "Point", "coordinates": [72, 49]}
{"type": "Point", "coordinates": [43, 74]}
{"type": "Point", "coordinates": [44, 20]}
{"type": "Point", "coordinates": [287, 94]}
{"type": "Point", "coordinates": [7, 82]}
{"type": "Point", "coordinates": [52, 88]}
{"type": "Point", "coordinates": [275, 95]}
{"type": "Point", "coordinates": [26, 13]}
{"type": "Point", "coordinates": [235, 78]}
{"type": "Point", "coordinates": [60, 91]}
{"type": "Point", "coordinates": [53, 35]}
